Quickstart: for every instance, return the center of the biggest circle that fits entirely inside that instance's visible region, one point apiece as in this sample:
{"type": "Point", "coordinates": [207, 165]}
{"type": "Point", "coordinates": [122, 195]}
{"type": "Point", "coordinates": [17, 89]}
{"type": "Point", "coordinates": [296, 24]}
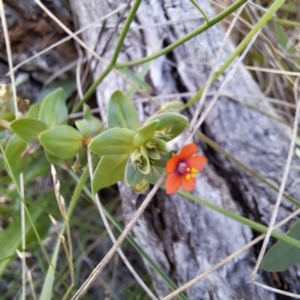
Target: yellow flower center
{"type": "Point", "coordinates": [190, 173]}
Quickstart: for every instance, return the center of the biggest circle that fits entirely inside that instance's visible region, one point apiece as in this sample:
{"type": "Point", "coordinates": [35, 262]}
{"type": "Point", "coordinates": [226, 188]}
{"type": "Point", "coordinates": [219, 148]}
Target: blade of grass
{"type": "Point", "coordinates": [47, 289]}
{"type": "Point", "coordinates": [254, 225]}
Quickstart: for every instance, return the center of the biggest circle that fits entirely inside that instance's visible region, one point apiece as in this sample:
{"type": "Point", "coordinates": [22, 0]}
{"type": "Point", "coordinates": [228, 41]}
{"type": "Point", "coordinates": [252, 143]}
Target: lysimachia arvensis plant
{"type": "Point", "coordinates": [132, 151]}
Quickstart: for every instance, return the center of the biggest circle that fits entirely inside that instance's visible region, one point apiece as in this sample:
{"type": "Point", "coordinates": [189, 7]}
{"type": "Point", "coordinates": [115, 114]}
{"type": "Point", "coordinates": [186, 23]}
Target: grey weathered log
{"type": "Point", "coordinates": [184, 238]}
{"type": "Point", "coordinates": [31, 31]}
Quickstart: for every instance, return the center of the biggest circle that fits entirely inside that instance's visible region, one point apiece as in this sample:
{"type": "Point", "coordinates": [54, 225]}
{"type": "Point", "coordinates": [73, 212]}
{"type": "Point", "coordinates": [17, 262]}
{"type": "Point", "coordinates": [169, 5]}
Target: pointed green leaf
{"type": "Point", "coordinates": [34, 111]}
{"type": "Point", "coordinates": [63, 141]}
{"type": "Point", "coordinates": [113, 141]}
{"type": "Point", "coordinates": [170, 125]}
{"type": "Point", "coordinates": [54, 110]}
{"type": "Point", "coordinates": [57, 161]}
{"type": "Point", "coordinates": [160, 145]}
{"type": "Point", "coordinates": [47, 289]}
{"type": "Point", "coordinates": [38, 167]}
{"type": "Point", "coordinates": [109, 171]}
{"type": "Point", "coordinates": [90, 125]}
{"type": "Point", "coordinates": [145, 167]}
{"type": "Point", "coordinates": [281, 255]}
{"type": "Point", "coordinates": [141, 76]}
{"type": "Point", "coordinates": [154, 175]}
{"type": "Point", "coordinates": [13, 151]}
{"type": "Point", "coordinates": [145, 133]}
{"type": "Point", "coordinates": [165, 156]}
{"type": "Point", "coordinates": [135, 79]}
{"type": "Point", "coordinates": [154, 154]}
{"type": "Point", "coordinates": [121, 112]}
{"type": "Point", "coordinates": [132, 176]}
{"type": "Point", "coordinates": [68, 86]}
{"type": "Point", "coordinates": [28, 129]}
{"type": "Point", "coordinates": [172, 106]}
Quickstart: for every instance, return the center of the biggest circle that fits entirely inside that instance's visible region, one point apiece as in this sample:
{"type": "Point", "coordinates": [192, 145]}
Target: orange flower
{"type": "Point", "coordinates": [182, 169]}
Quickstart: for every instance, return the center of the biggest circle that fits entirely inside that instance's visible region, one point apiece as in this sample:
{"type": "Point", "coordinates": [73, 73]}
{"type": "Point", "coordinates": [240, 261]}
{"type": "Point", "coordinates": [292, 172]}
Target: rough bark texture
{"type": "Point", "coordinates": [184, 238]}
{"type": "Point", "coordinates": [31, 31]}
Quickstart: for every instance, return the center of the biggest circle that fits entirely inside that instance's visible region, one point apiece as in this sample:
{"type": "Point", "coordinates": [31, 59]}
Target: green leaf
{"type": "Point", "coordinates": [34, 111]}
{"type": "Point", "coordinates": [63, 141]}
{"type": "Point", "coordinates": [165, 156]}
{"type": "Point", "coordinates": [281, 255]}
{"type": "Point", "coordinates": [28, 129]}
{"type": "Point", "coordinates": [68, 85]}
{"type": "Point", "coordinates": [145, 133]}
{"type": "Point", "coordinates": [141, 76]}
{"type": "Point", "coordinates": [132, 176]}
{"type": "Point", "coordinates": [10, 238]}
{"type": "Point", "coordinates": [281, 35]}
{"type": "Point", "coordinates": [90, 125]}
{"type": "Point", "coordinates": [121, 112]}
{"type": "Point", "coordinates": [54, 110]}
{"type": "Point", "coordinates": [170, 125]}
{"type": "Point", "coordinates": [113, 141]}
{"type": "Point", "coordinates": [7, 116]}
{"type": "Point", "coordinates": [136, 79]}
{"type": "Point", "coordinates": [47, 289]}
{"type": "Point", "coordinates": [38, 167]}
{"type": "Point", "coordinates": [13, 151]}
{"type": "Point", "coordinates": [55, 160]}
{"type": "Point", "coordinates": [109, 171]}
{"type": "Point", "coordinates": [160, 145]}
{"type": "Point", "coordinates": [154, 154]}
{"type": "Point", "coordinates": [145, 167]}
{"type": "Point", "coordinates": [155, 174]}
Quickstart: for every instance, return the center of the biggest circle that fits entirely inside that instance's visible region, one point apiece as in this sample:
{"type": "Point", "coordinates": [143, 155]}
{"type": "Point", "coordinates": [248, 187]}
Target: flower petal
{"type": "Point", "coordinates": [197, 161]}
{"type": "Point", "coordinates": [188, 184]}
{"type": "Point", "coordinates": [172, 183]}
{"type": "Point", "coordinates": [187, 151]}
{"type": "Point", "coordinates": [172, 164]}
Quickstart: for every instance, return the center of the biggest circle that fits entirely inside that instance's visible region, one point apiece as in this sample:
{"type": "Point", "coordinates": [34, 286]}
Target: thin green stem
{"type": "Point", "coordinates": [201, 10]}
{"type": "Point", "coordinates": [114, 58]}
{"type": "Point", "coordinates": [254, 225]}
{"type": "Point", "coordinates": [267, 16]}
{"type": "Point", "coordinates": [189, 36]}
{"type": "Point", "coordinates": [124, 31]}
{"type": "Point", "coordinates": [80, 184]}
{"type": "Point", "coordinates": [287, 22]}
